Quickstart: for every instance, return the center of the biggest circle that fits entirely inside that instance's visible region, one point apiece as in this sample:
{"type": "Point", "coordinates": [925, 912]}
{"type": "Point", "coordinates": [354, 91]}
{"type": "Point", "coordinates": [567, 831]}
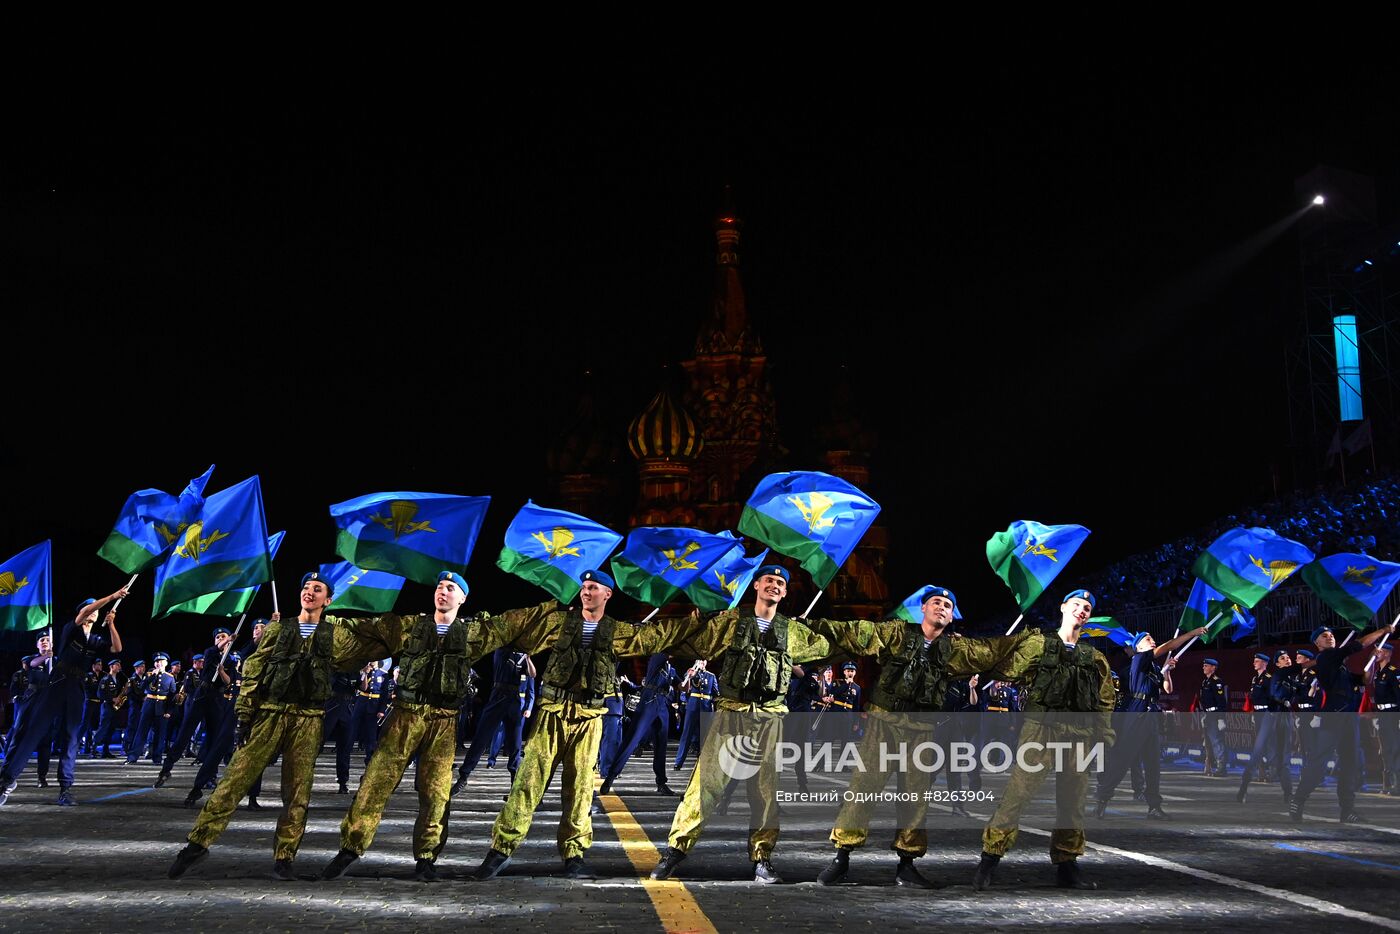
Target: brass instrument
{"type": "Point", "coordinates": [121, 697]}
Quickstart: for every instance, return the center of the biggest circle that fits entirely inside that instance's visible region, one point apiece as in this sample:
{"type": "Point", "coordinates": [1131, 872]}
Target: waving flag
{"type": "Point", "coordinates": [150, 524]}
{"type": "Point", "coordinates": [26, 589]}
{"type": "Point", "coordinates": [225, 549]}
{"type": "Point", "coordinates": [357, 589]}
{"type": "Point", "coordinates": [552, 548]}
{"type": "Point", "coordinates": [1107, 627]}
{"type": "Point", "coordinates": [723, 584]}
{"type": "Point", "coordinates": [1355, 586]}
{"type": "Point", "coordinates": [912, 609]}
{"type": "Point", "coordinates": [414, 535]}
{"type": "Point", "coordinates": [813, 517]}
{"type": "Point", "coordinates": [657, 563]}
{"type": "Point", "coordinates": [1245, 564]}
{"type": "Point", "coordinates": [227, 602]}
{"type": "Point", "coordinates": [1209, 607]}
{"type": "Point", "coordinates": [1029, 555]}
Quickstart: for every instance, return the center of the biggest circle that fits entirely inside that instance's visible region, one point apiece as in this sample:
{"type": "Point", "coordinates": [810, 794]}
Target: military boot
{"type": "Point", "coordinates": [337, 866]}
{"type": "Point", "coordinates": [491, 866]}
{"type": "Point", "coordinates": [986, 872]}
{"type": "Point", "coordinates": [839, 866]}
{"type": "Point", "coordinates": [1067, 876]}
{"type": "Point", "coordinates": [187, 857]}
{"type": "Point", "coordinates": [669, 861]}
{"type": "Point", "coordinates": [908, 875]}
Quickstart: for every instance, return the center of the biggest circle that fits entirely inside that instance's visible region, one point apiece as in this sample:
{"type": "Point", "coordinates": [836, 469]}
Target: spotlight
{"type": "Point", "coordinates": [1319, 200]}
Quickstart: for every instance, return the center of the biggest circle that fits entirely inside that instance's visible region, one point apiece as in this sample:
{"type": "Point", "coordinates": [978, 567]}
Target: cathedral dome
{"type": "Point", "coordinates": [665, 430]}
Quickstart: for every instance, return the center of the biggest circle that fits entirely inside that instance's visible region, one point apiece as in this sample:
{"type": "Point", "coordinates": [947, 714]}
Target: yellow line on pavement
{"type": "Point", "coordinates": [674, 905]}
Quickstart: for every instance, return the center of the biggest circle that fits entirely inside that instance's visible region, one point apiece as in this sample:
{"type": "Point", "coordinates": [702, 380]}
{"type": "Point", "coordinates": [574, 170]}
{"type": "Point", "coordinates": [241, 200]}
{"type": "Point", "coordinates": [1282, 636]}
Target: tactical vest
{"type": "Point", "coordinates": [1065, 681]}
{"type": "Point", "coordinates": [295, 673]}
{"type": "Point", "coordinates": [757, 667]}
{"type": "Point", "coordinates": [585, 676]}
{"type": "Point", "coordinates": [435, 670]}
{"type": "Point", "coordinates": [915, 679]}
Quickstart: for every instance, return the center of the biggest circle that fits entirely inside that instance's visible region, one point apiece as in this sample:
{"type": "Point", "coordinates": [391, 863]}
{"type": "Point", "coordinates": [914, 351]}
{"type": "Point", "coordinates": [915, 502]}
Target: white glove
{"type": "Point", "coordinates": [1315, 722]}
{"type": "Point", "coordinates": [1220, 724]}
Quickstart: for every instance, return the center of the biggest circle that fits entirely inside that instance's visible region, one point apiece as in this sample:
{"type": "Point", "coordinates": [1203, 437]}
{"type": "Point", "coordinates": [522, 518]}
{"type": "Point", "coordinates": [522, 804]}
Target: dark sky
{"type": "Point", "coordinates": [1029, 285]}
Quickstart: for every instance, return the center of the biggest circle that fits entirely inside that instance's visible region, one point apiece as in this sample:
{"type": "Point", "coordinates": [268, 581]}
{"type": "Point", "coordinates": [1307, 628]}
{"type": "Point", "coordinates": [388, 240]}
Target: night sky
{"type": "Point", "coordinates": [1029, 288]}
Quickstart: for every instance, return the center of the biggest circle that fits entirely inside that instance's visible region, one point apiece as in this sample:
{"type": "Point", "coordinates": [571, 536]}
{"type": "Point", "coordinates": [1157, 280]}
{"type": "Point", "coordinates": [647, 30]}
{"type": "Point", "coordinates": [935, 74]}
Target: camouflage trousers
{"type": "Point", "coordinates": [755, 734]}
{"type": "Point", "coordinates": [295, 734]}
{"type": "Point", "coordinates": [429, 732]}
{"type": "Point", "coordinates": [1067, 838]}
{"type": "Point", "coordinates": [853, 820]}
{"type": "Point", "coordinates": [568, 734]}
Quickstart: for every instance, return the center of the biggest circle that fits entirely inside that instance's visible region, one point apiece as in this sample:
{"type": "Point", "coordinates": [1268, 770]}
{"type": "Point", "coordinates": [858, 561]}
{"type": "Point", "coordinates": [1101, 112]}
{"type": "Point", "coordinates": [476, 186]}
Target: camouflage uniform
{"type": "Point", "coordinates": [292, 730]}
{"type": "Point", "coordinates": [1022, 658]}
{"type": "Point", "coordinates": [912, 679]}
{"type": "Point", "coordinates": [569, 713]}
{"type": "Point", "coordinates": [746, 717]}
{"type": "Point", "coordinates": [423, 722]}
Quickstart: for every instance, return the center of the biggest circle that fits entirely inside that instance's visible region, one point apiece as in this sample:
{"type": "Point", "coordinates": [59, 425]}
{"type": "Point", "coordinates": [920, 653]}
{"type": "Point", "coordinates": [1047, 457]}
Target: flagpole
{"type": "Point", "coordinates": [1348, 638]}
{"type": "Point", "coordinates": [1184, 648]}
{"type": "Point", "coordinates": [233, 638]}
{"type": "Point", "coordinates": [1384, 639]}
{"type": "Point", "coordinates": [812, 604]}
{"type": "Point", "coordinates": [129, 584]}
{"type": "Point", "coordinates": [276, 611]}
{"type": "Point", "coordinates": [1015, 624]}
{"type": "Point", "coordinates": [651, 614]}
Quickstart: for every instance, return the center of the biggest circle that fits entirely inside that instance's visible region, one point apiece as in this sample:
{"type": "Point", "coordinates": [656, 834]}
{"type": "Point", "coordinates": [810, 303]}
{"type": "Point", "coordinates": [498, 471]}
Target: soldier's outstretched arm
{"type": "Point", "coordinates": [530, 630]}
{"type": "Point", "coordinates": [679, 635]}
{"type": "Point", "coordinates": [693, 636]}
{"type": "Point", "coordinates": [860, 636]}
{"type": "Point", "coordinates": [807, 646]}
{"type": "Point", "coordinates": [359, 640]}
{"type": "Point", "coordinates": [1008, 657]}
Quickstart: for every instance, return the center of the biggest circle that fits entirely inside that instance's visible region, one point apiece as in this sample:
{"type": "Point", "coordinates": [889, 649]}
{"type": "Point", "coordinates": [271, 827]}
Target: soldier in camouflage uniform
{"type": "Point", "coordinates": [756, 648]}
{"type": "Point", "coordinates": [917, 663]}
{"type": "Point", "coordinates": [1062, 674]}
{"type": "Point", "coordinates": [580, 676]}
{"type": "Point", "coordinates": [435, 669]}
{"type": "Point", "coordinates": [280, 704]}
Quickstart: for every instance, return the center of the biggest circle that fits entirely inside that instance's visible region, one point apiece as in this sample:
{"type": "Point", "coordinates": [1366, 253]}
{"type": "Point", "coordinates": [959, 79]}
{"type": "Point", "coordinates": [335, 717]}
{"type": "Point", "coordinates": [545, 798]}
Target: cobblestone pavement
{"type": "Point", "coordinates": [1218, 866]}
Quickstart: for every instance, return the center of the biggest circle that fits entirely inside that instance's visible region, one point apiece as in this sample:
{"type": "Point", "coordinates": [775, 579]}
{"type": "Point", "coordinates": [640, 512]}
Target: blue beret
{"type": "Point", "coordinates": [1210, 661]}
{"type": "Point", "coordinates": [88, 602]}
{"type": "Point", "coordinates": [113, 661]}
{"type": "Point", "coordinates": [776, 569]}
{"type": "Point", "coordinates": [1083, 595]}
{"type": "Point", "coordinates": [455, 578]}
{"type": "Point", "coordinates": [1318, 632]}
{"type": "Point", "coordinates": [139, 663]}
{"type": "Point", "coordinates": [26, 660]}
{"type": "Point", "coordinates": [933, 590]}
{"type": "Point", "coordinates": [159, 655]}
{"type": "Point", "coordinates": [849, 666]}
{"type": "Point", "coordinates": [221, 630]}
{"type": "Point", "coordinates": [598, 577]}
{"type": "Point", "coordinates": [1137, 639]}
{"type": "Point", "coordinates": [317, 576]}
{"type": "Point", "coordinates": [1307, 653]}
{"type": "Point", "coordinates": [1262, 656]}
{"type": "Point", "coordinates": [235, 657]}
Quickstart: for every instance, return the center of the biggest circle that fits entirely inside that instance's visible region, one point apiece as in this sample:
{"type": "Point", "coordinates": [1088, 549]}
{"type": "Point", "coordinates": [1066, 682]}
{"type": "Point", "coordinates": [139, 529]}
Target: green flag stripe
{"type": "Point", "coordinates": [24, 618]}
{"type": "Point", "coordinates": [1330, 592]}
{"type": "Point", "coordinates": [212, 578]}
{"type": "Point", "coordinates": [706, 598]}
{"type": "Point", "coordinates": [127, 555]}
{"type": "Point", "coordinates": [1216, 574]}
{"type": "Point", "coordinates": [540, 573]}
{"type": "Point", "coordinates": [785, 541]}
{"type": "Point", "coordinates": [224, 603]}
{"type": "Point", "coordinates": [396, 559]}
{"type": "Point", "coordinates": [1024, 584]}
{"type": "Point", "coordinates": [642, 586]}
